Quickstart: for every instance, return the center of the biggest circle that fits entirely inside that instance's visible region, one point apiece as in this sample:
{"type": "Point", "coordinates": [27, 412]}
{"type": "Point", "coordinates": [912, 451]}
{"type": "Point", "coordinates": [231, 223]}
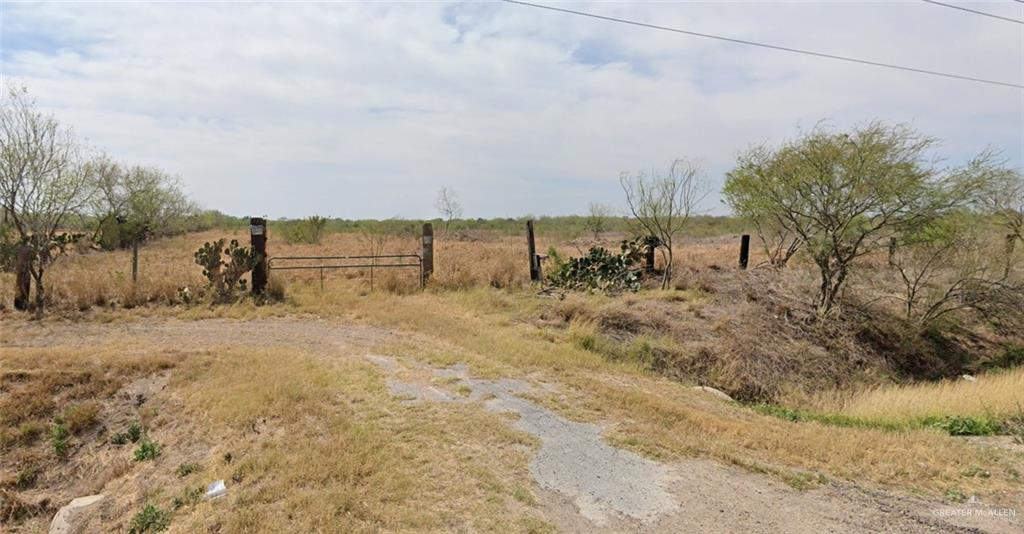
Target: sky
{"type": "Point", "coordinates": [366, 110]}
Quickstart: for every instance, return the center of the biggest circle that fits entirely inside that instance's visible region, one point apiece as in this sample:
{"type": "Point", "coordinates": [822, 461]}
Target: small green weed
{"type": "Point", "coordinates": [955, 495]}
{"type": "Point", "coordinates": [27, 477]}
{"type": "Point", "coordinates": [187, 469]}
{"type": "Point", "coordinates": [148, 450]}
{"type": "Point", "coordinates": [150, 519]}
{"type": "Point", "coordinates": [131, 434]}
{"type": "Point", "coordinates": [795, 415]}
{"type": "Point", "coordinates": [60, 437]}
{"type": "Point", "coordinates": [954, 425]}
{"type": "Point", "coordinates": [957, 425]}
{"type": "Point", "coordinates": [188, 497]}
{"type": "Point", "coordinates": [975, 471]}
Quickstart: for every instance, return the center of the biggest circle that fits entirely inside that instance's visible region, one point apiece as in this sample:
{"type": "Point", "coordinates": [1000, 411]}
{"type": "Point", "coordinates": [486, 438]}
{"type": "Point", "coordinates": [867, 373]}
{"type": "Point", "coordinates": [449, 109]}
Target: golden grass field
{"type": "Point", "coordinates": [299, 423]}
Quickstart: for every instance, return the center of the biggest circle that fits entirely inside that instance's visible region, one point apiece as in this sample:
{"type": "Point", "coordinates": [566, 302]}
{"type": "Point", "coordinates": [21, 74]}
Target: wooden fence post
{"type": "Point", "coordinates": [258, 240]}
{"type": "Point", "coordinates": [135, 260]}
{"type": "Point", "coordinates": [531, 247]}
{"type": "Point", "coordinates": [23, 278]}
{"type": "Point", "coordinates": [744, 250]}
{"type": "Point", "coordinates": [649, 254]}
{"type": "Point", "coordinates": [427, 254]}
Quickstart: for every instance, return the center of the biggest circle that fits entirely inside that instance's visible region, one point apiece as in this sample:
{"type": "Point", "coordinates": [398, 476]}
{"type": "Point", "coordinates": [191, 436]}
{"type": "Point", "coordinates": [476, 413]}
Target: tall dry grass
{"type": "Point", "coordinates": [91, 279]}
{"type": "Point", "coordinates": [994, 395]}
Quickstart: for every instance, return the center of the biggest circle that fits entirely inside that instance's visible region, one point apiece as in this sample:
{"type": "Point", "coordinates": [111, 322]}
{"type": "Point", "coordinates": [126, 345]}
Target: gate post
{"type": "Point", "coordinates": [427, 254]}
{"type": "Point", "coordinates": [258, 240]}
{"type": "Point", "coordinates": [531, 247]}
{"type": "Point", "coordinates": [23, 278]}
{"type": "Point", "coordinates": [744, 250]}
{"type": "Point", "coordinates": [649, 254]}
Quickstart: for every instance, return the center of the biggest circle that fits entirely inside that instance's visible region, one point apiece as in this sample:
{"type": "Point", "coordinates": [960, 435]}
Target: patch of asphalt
{"type": "Point", "coordinates": [414, 392]}
{"type": "Point", "coordinates": [587, 485]}
{"type": "Point", "coordinates": [602, 481]}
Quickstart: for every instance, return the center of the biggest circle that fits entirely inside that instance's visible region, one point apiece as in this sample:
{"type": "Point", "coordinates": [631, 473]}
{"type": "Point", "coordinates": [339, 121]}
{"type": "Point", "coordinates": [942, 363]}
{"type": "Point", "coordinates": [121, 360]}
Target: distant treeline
{"type": "Point", "coordinates": [562, 227]}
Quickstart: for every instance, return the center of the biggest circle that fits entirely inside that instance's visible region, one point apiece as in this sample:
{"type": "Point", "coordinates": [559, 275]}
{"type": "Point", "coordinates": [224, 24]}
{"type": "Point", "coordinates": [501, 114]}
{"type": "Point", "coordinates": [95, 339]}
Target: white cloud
{"type": "Point", "coordinates": [357, 110]}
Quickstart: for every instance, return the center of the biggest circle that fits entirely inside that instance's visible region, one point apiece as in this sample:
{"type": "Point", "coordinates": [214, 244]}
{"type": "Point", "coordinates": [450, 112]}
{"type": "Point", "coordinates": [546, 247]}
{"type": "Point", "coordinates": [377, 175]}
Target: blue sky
{"type": "Point", "coordinates": [366, 110]}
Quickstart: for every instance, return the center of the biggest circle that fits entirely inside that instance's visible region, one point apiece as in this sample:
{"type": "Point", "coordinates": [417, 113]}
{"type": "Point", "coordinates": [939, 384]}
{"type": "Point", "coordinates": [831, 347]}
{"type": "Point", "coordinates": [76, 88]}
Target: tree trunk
{"type": "Point", "coordinates": [831, 286]}
{"type": "Point", "coordinates": [40, 292]}
{"type": "Point", "coordinates": [666, 277]}
{"type": "Point", "coordinates": [23, 278]}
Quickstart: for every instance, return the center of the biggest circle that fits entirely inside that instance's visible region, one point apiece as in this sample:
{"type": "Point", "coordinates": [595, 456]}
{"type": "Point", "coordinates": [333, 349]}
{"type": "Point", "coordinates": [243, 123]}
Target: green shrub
{"type": "Point", "coordinates": [150, 519]}
{"type": "Point", "coordinates": [1010, 358]}
{"type": "Point", "coordinates": [148, 450]}
{"type": "Point", "coordinates": [308, 230]}
{"type": "Point", "coordinates": [134, 432]}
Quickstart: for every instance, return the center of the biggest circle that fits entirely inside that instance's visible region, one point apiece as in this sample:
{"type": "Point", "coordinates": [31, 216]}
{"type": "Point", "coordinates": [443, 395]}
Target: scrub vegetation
{"type": "Point", "coordinates": [880, 321]}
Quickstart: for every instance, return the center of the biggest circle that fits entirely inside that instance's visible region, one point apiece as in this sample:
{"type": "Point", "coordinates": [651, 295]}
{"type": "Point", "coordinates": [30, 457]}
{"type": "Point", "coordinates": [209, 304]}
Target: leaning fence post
{"type": "Point", "coordinates": [427, 255]}
{"type": "Point", "coordinates": [23, 278]}
{"type": "Point", "coordinates": [532, 250]}
{"type": "Point", "coordinates": [744, 250]}
{"type": "Point", "coordinates": [258, 240]}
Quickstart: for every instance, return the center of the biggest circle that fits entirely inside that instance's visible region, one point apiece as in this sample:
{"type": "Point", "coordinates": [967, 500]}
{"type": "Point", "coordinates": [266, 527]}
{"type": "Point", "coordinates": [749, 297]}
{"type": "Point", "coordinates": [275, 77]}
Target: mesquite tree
{"type": "Point", "coordinates": [44, 181]}
{"type": "Point", "coordinates": [134, 203]}
{"type": "Point", "coordinates": [597, 219]}
{"type": "Point", "coordinates": [845, 195]}
{"type": "Point", "coordinates": [448, 206]}
{"type": "Point", "coordinates": [661, 204]}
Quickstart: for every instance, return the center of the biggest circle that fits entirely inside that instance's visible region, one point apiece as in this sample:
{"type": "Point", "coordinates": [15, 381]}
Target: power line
{"type": "Point", "coordinates": [765, 45]}
{"type": "Point", "coordinates": [975, 11]}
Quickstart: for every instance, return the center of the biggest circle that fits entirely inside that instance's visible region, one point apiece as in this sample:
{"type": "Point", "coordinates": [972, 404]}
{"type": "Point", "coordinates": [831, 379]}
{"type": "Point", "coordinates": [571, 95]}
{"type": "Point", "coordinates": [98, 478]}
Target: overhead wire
{"type": "Point", "coordinates": [975, 11]}
{"type": "Point", "coordinates": [767, 45]}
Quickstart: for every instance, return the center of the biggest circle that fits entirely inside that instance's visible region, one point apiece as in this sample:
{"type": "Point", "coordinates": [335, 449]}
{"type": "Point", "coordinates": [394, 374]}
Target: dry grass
{"type": "Point", "coordinates": [665, 419]}
{"type": "Point", "coordinates": [335, 452]}
{"type": "Point", "coordinates": [319, 444]}
{"type": "Point", "coordinates": [994, 396]}
{"type": "Point", "coordinates": [97, 280]}
{"type": "Point", "coordinates": [305, 442]}
{"type": "Point", "coordinates": [42, 391]}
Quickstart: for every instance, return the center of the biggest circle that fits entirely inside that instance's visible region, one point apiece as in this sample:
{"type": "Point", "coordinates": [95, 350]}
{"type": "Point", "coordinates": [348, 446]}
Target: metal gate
{"type": "Point", "coordinates": [390, 261]}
